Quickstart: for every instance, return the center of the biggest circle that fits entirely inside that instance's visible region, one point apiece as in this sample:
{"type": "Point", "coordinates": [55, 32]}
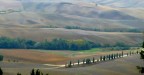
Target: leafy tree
{"type": "Point", "coordinates": [29, 44]}
{"type": "Point", "coordinates": [1, 72]}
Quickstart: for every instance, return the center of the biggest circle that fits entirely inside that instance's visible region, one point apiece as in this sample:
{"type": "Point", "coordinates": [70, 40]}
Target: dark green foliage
{"type": "Point", "coordinates": [112, 56]}
{"type": "Point", "coordinates": [108, 57]}
{"type": "Point", "coordinates": [101, 58]}
{"type": "Point", "coordinates": [55, 44]}
{"type": "Point", "coordinates": [104, 58]}
{"type": "Point", "coordinates": [120, 44]}
{"type": "Point", "coordinates": [142, 54]}
{"type": "Point", "coordinates": [122, 53]}
{"type": "Point", "coordinates": [70, 64]}
{"type": "Point", "coordinates": [32, 72]}
{"type": "Point", "coordinates": [38, 72]}
{"type": "Point", "coordinates": [1, 72]}
{"type": "Point", "coordinates": [78, 62]}
{"type": "Point", "coordinates": [88, 61]}
{"type": "Point", "coordinates": [1, 57]}
{"type": "Point", "coordinates": [93, 60]}
{"type": "Point", "coordinates": [141, 69]}
{"type": "Point", "coordinates": [103, 30]}
{"type": "Point", "coordinates": [18, 73]}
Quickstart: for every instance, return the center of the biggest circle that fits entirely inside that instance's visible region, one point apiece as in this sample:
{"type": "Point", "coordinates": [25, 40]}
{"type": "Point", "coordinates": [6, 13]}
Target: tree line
{"type": "Point", "coordinates": [33, 72]}
{"type": "Point", "coordinates": [109, 57]}
{"type": "Point", "coordinates": [104, 30]}
{"type": "Point", "coordinates": [55, 44]}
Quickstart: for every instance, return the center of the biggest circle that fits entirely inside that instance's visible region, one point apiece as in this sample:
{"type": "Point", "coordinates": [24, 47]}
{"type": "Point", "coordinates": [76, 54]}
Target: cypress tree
{"type": "Point", "coordinates": [93, 60]}
{"type": "Point", "coordinates": [70, 64]}
{"type": "Point", "coordinates": [112, 57]}
{"type": "Point", "coordinates": [104, 58]}
{"type": "Point", "coordinates": [1, 72]}
{"type": "Point", "coordinates": [117, 55]}
{"type": "Point", "coordinates": [78, 62]}
{"type": "Point", "coordinates": [101, 58]}
{"type": "Point", "coordinates": [37, 72]}
{"type": "Point", "coordinates": [83, 61]}
{"type": "Point", "coordinates": [32, 72]}
{"type": "Point", "coordinates": [142, 54]}
{"type": "Point", "coordinates": [122, 53]}
{"type": "Point", "coordinates": [109, 57]}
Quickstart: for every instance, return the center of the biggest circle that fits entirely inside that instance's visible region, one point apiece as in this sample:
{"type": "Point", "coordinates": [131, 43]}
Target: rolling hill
{"type": "Point", "coordinates": [41, 34]}
{"type": "Point", "coordinates": [32, 18]}
{"type": "Point", "coordinates": [60, 14]}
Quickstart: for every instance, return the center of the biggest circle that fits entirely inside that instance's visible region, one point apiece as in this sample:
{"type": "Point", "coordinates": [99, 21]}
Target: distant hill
{"type": "Point", "coordinates": [16, 16]}
{"type": "Point", "coordinates": [60, 14]}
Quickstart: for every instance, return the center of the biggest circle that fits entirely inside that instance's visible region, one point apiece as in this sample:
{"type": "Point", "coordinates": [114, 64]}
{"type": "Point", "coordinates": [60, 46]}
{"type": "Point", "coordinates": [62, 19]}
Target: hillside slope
{"type": "Point", "coordinates": [40, 34]}
{"type": "Point", "coordinates": [60, 14]}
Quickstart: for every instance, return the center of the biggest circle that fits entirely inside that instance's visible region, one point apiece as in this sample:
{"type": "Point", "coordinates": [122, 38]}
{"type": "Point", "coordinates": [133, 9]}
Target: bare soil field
{"type": "Point", "coordinates": [51, 56]}
{"type": "Point", "coordinates": [31, 56]}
